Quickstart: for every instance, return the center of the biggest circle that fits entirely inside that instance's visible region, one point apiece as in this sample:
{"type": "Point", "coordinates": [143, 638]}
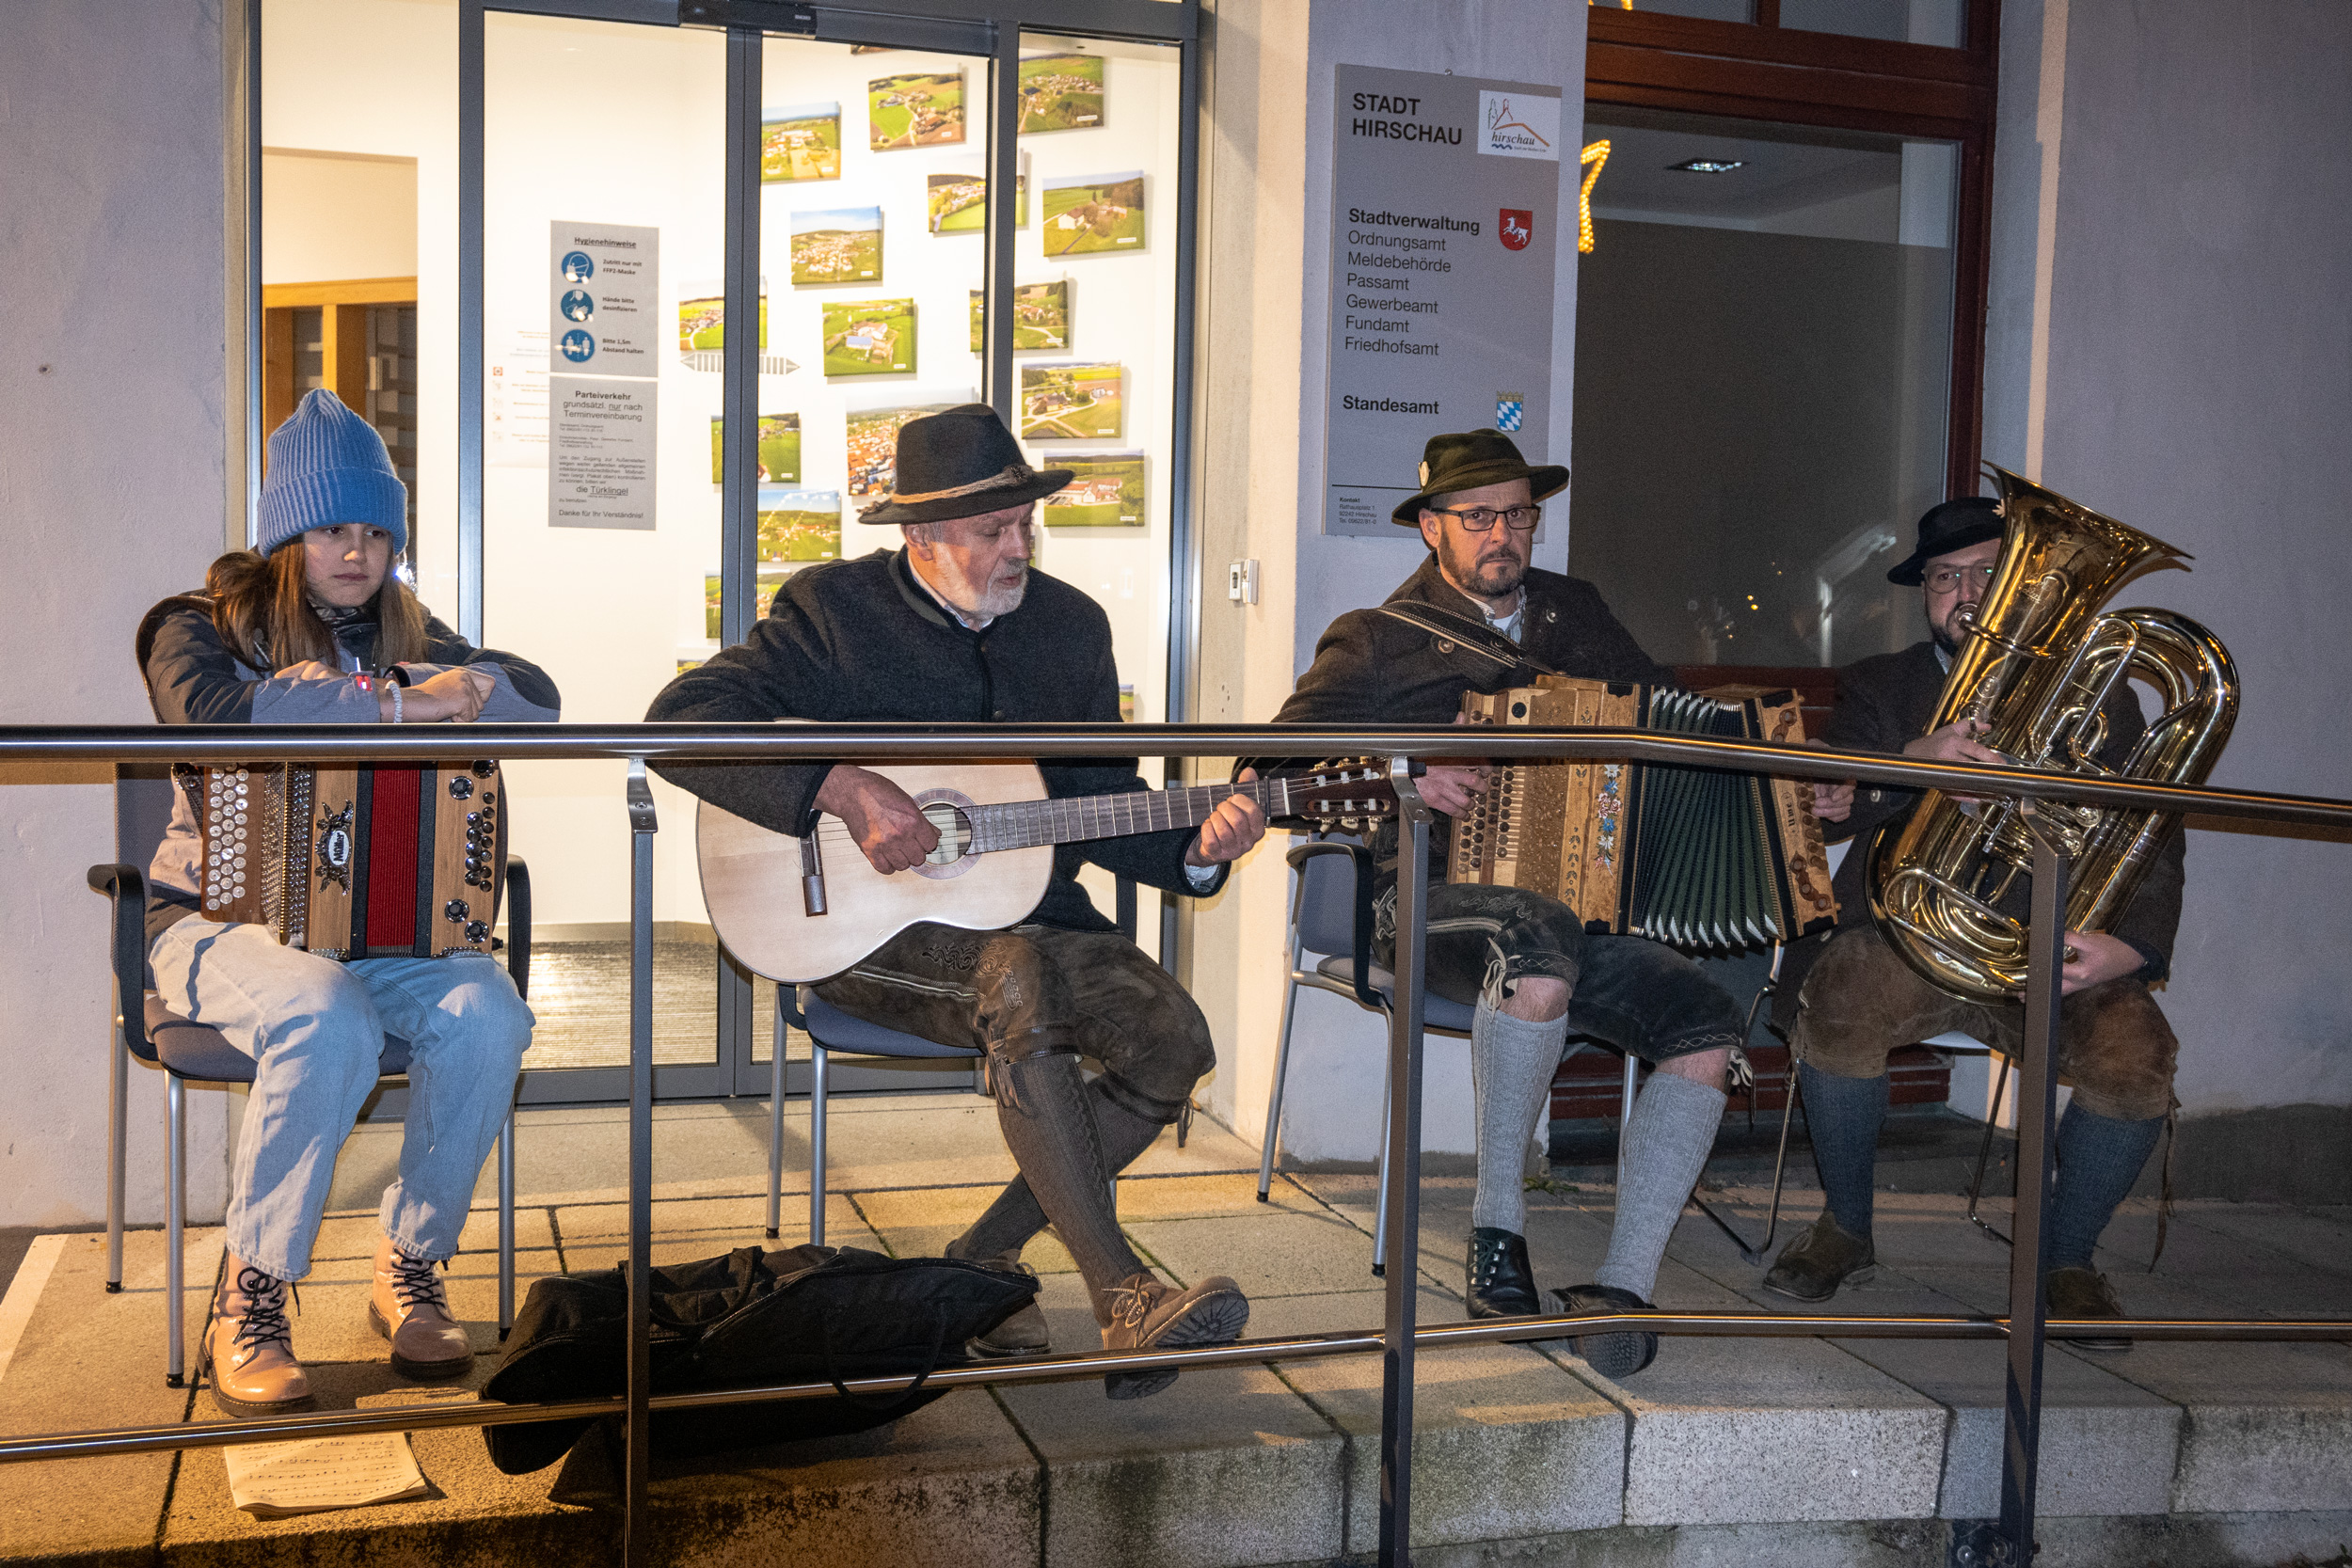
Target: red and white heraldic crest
{"type": "Point", "coordinates": [1516, 228]}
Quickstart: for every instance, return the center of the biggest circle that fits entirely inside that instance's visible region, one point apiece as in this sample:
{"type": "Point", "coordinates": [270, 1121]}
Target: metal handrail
{"type": "Point", "coordinates": [1402, 1339]}
{"type": "Point", "coordinates": [1062, 1369]}
{"type": "Point", "coordinates": [895, 743]}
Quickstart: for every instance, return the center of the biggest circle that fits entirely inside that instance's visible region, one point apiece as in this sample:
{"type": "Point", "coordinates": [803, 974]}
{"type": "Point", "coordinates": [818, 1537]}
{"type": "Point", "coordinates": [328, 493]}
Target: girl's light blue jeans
{"type": "Point", "coordinates": [315, 1030]}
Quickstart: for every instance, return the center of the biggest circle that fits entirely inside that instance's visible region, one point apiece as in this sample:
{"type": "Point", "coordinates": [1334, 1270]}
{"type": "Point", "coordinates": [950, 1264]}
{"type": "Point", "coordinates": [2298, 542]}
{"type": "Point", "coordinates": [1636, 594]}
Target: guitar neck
{"type": "Point", "coordinates": [1021, 824]}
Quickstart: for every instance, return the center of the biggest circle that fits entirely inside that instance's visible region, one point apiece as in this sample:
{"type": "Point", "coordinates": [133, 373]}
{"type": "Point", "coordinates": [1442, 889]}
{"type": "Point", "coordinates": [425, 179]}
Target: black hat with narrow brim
{"type": "Point", "coordinates": [1954, 525]}
{"type": "Point", "coordinates": [1450, 464]}
{"type": "Point", "coordinates": [961, 462]}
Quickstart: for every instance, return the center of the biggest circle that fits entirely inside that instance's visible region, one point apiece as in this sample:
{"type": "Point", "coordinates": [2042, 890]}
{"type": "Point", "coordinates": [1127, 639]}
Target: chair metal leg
{"type": "Point", "coordinates": [1267, 1147]}
{"type": "Point", "coordinates": [506, 1224]}
{"type": "Point", "coordinates": [1380, 1211]}
{"type": "Point", "coordinates": [118, 1113]}
{"type": "Point", "coordinates": [817, 1143]}
{"type": "Point", "coordinates": [1625, 1110]}
{"type": "Point", "coordinates": [1984, 1152]}
{"type": "Point", "coordinates": [775, 1124]}
{"type": "Point", "coordinates": [175, 1218]}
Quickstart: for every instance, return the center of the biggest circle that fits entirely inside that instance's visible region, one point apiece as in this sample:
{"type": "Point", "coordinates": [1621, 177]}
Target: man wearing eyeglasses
{"type": "Point", "coordinates": [1856, 1002]}
{"type": "Point", "coordinates": [1478, 616]}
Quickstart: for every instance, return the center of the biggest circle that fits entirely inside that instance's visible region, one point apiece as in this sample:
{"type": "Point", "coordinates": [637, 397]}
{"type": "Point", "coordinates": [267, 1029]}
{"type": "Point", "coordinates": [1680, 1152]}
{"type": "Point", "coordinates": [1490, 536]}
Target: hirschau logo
{"type": "Point", "coordinates": [1516, 228]}
{"type": "Point", "coordinates": [1519, 124]}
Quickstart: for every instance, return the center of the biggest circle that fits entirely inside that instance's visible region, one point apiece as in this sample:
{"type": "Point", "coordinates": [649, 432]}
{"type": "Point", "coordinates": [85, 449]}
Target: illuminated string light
{"type": "Point", "coordinates": [1594, 158]}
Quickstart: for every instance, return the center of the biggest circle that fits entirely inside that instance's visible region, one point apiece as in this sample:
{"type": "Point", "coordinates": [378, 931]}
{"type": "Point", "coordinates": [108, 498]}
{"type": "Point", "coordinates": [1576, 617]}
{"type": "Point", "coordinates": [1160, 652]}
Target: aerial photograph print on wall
{"type": "Point", "coordinates": [802, 141]}
{"type": "Point", "coordinates": [701, 318]}
{"type": "Point", "coordinates": [869, 337]}
{"type": "Point", "coordinates": [1072, 402]}
{"type": "Point", "coordinates": [779, 449]}
{"type": "Point", "coordinates": [958, 198]}
{"type": "Point", "coordinates": [1093, 213]}
{"type": "Point", "coordinates": [1040, 316]}
{"type": "Point", "coordinates": [840, 245]}
{"type": "Point", "coordinates": [1060, 93]}
{"type": "Point", "coordinates": [797, 526]}
{"type": "Point", "coordinates": [922, 109]}
{"type": "Point", "coordinates": [873, 443]}
{"type": "Point", "coordinates": [1106, 491]}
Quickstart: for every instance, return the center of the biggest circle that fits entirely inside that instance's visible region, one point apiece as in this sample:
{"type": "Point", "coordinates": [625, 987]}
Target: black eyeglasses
{"type": "Point", "coordinates": [1478, 519]}
{"type": "Point", "coordinates": [1950, 578]}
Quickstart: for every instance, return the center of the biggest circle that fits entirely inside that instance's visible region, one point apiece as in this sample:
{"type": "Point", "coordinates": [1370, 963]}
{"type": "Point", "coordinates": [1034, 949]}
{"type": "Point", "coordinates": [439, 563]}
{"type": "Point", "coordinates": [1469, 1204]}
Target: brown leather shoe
{"type": "Point", "coordinates": [1148, 1314]}
{"type": "Point", "coordinates": [1813, 1266]}
{"type": "Point", "coordinates": [247, 1351]}
{"type": "Point", "coordinates": [1023, 1333]}
{"type": "Point", "coordinates": [409, 1306]}
{"type": "Point", "coordinates": [2079, 1292]}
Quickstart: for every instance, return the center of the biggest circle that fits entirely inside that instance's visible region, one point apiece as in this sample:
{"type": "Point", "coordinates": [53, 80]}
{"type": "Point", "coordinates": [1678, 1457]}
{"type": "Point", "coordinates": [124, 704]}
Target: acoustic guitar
{"type": "Point", "coordinates": [800, 910]}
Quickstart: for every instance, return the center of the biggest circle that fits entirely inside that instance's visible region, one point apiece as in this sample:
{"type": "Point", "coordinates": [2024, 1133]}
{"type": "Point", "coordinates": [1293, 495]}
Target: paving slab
{"type": "Point", "coordinates": [1481, 1414]}
{"type": "Point", "coordinates": [2219, 1238]}
{"type": "Point", "coordinates": [596, 1235]}
{"type": "Point", "coordinates": [89, 1359]}
{"type": "Point", "coordinates": [952, 1482]}
{"type": "Point", "coordinates": [1228, 1467]}
{"type": "Point", "coordinates": [353, 1233]}
{"type": "Point", "coordinates": [920, 1222]}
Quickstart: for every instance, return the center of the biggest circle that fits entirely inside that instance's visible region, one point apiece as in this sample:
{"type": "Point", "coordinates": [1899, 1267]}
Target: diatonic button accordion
{"type": "Point", "coordinates": [355, 862]}
{"type": "Point", "coordinates": [1694, 857]}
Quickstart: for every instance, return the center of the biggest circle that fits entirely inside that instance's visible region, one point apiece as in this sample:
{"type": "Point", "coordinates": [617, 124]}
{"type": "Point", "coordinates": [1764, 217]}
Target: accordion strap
{"type": "Point", "coordinates": [1479, 638]}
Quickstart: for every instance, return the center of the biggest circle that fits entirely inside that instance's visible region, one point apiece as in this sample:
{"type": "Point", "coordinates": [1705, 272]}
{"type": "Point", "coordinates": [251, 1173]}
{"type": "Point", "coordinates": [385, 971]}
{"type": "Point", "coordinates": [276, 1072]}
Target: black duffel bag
{"type": "Point", "coordinates": [807, 1314]}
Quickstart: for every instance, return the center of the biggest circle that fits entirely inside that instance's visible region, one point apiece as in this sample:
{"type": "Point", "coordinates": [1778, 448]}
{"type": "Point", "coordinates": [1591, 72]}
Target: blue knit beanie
{"type": "Point", "coordinates": [328, 465]}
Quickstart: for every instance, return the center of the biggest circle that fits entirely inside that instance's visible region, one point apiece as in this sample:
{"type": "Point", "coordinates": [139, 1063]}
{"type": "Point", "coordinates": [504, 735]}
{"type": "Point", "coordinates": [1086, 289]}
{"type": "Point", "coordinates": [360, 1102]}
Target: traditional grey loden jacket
{"type": "Point", "coordinates": [861, 640]}
{"type": "Point", "coordinates": [1373, 669]}
{"type": "Point", "coordinates": [193, 678]}
{"type": "Point", "coordinates": [1884, 704]}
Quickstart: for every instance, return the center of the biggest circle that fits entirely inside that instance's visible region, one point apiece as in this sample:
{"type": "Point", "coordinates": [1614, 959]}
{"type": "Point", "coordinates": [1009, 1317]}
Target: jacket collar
{"type": "Point", "coordinates": [902, 579]}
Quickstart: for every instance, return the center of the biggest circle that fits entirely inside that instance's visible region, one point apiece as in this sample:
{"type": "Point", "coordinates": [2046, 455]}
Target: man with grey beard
{"type": "Point", "coordinates": [957, 627]}
{"type": "Point", "coordinates": [1478, 616]}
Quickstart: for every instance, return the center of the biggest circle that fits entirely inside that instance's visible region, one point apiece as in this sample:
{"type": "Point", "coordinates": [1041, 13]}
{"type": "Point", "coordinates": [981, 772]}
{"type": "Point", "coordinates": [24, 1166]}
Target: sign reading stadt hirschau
{"type": "Point", "coordinates": [1445, 202]}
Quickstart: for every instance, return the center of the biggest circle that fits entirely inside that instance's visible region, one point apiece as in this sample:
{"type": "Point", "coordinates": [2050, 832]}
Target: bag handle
{"type": "Point", "coordinates": [892, 1403]}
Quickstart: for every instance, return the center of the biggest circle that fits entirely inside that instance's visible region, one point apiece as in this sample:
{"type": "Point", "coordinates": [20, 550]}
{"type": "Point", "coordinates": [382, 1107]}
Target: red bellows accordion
{"type": "Point", "coordinates": [355, 862]}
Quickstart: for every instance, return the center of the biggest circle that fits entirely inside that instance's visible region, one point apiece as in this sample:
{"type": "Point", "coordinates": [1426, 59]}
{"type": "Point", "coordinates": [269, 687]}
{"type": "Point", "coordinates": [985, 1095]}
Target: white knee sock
{"type": "Point", "coordinates": [1666, 1141]}
{"type": "Point", "coordinates": [1512, 1062]}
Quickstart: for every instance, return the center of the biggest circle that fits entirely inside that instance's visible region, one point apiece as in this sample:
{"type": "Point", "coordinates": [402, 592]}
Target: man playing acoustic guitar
{"type": "Point", "coordinates": [957, 627]}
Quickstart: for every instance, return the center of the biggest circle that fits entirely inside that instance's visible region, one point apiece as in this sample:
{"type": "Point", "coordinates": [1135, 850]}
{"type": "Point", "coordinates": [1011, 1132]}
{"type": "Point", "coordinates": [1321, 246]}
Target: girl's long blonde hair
{"type": "Point", "coordinates": [261, 608]}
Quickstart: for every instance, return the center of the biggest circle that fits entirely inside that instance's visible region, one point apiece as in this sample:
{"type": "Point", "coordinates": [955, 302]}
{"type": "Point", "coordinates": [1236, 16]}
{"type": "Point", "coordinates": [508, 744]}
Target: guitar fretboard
{"type": "Point", "coordinates": [1020, 824]}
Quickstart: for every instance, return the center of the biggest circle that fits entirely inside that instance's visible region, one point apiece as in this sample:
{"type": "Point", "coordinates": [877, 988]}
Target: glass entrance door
{"type": "Point", "coordinates": [592, 526]}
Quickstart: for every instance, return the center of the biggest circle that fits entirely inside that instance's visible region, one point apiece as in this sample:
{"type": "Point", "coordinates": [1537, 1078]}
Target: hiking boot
{"type": "Point", "coordinates": [1023, 1333]}
{"type": "Point", "coordinates": [1500, 1283]}
{"type": "Point", "coordinates": [1613, 1355]}
{"type": "Point", "coordinates": [1813, 1266]}
{"type": "Point", "coordinates": [1147, 1314]}
{"type": "Point", "coordinates": [409, 1306]}
{"type": "Point", "coordinates": [247, 1349]}
{"type": "Point", "coordinates": [2078, 1292]}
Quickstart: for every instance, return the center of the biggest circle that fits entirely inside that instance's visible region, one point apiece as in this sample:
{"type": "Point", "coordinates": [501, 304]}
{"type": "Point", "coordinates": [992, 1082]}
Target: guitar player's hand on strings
{"type": "Point", "coordinates": [882, 818]}
{"type": "Point", "coordinates": [1237, 823]}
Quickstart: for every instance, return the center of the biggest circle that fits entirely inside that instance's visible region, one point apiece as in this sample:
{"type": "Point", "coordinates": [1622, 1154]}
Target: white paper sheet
{"type": "Point", "coordinates": [276, 1481]}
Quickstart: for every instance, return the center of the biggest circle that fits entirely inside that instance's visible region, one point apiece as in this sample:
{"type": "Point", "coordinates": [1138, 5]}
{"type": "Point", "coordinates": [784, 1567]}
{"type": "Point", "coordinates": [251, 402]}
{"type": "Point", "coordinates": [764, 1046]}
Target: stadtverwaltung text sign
{"type": "Point", "coordinates": [1445, 205]}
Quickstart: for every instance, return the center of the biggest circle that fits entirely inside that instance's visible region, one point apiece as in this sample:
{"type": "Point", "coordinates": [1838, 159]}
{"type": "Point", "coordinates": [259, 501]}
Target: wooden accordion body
{"type": "Point", "coordinates": [1693, 857]}
{"type": "Point", "coordinates": [355, 862]}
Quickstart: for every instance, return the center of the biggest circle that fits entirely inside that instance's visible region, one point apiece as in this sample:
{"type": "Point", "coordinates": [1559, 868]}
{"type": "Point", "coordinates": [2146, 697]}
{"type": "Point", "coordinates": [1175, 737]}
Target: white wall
{"type": "Point", "coordinates": [1268, 146]}
{"type": "Point", "coordinates": [2169, 344]}
{"type": "Point", "coordinates": [337, 214]}
{"type": "Point", "coordinates": [111, 486]}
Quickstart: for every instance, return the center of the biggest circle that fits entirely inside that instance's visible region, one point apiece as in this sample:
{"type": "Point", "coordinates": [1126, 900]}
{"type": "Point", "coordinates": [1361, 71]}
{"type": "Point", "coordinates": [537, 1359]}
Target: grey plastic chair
{"type": "Point", "coordinates": [191, 1053]}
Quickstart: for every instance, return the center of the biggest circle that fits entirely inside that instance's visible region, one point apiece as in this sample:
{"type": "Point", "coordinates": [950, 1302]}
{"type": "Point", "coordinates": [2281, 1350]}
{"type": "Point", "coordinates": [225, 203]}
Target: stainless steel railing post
{"type": "Point", "coordinates": [636, 1548]}
{"type": "Point", "coordinates": [1404, 1170]}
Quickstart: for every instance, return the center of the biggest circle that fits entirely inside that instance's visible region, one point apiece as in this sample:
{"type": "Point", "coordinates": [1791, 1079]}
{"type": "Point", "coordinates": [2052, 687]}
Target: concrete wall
{"type": "Point", "coordinates": [1267, 147]}
{"type": "Point", "coordinates": [111, 486]}
{"type": "Point", "coordinates": [2169, 344]}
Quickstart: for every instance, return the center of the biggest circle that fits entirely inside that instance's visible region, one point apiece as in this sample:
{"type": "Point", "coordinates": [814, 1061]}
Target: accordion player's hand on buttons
{"type": "Point", "coordinates": [456, 694]}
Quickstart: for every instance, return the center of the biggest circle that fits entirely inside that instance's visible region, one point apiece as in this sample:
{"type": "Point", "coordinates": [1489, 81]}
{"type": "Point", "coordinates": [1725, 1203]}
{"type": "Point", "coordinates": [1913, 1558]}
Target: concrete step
{"type": "Point", "coordinates": [1724, 1452]}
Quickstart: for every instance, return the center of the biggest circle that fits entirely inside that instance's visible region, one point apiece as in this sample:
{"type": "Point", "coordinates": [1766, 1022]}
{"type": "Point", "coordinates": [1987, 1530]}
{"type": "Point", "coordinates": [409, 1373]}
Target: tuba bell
{"type": "Point", "coordinates": [2039, 661]}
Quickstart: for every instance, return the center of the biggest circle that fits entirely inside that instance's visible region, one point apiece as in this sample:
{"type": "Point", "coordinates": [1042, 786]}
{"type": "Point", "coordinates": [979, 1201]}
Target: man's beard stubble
{"type": "Point", "coordinates": [1950, 641]}
{"type": "Point", "coordinates": [983, 600]}
{"type": "Point", "coordinates": [1502, 573]}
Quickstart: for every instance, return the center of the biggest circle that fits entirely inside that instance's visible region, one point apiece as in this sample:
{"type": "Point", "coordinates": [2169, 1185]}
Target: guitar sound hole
{"type": "Point", "coordinates": [947, 812]}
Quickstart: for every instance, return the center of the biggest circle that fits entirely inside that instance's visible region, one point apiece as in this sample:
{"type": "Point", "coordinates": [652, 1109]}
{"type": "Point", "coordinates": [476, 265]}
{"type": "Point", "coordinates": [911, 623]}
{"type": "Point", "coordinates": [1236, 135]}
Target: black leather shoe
{"type": "Point", "coordinates": [1501, 1283]}
{"type": "Point", "coordinates": [2077, 1293]}
{"type": "Point", "coordinates": [1613, 1355]}
{"type": "Point", "coordinates": [1813, 1266]}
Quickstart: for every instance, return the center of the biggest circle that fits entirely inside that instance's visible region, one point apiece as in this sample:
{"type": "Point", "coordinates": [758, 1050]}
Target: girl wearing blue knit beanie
{"type": "Point", "coordinates": [312, 628]}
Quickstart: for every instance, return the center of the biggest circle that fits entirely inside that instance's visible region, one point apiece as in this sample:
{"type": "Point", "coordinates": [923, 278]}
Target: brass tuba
{"type": "Point", "coordinates": [2039, 661]}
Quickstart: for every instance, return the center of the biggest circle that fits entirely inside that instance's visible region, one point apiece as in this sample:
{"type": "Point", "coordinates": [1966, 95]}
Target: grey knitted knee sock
{"type": "Point", "coordinates": [1666, 1139]}
{"type": "Point", "coordinates": [1048, 1122]}
{"type": "Point", "coordinates": [1512, 1062]}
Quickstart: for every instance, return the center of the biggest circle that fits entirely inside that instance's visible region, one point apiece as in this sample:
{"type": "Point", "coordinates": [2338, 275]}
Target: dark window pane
{"type": "Point", "coordinates": [1943, 22]}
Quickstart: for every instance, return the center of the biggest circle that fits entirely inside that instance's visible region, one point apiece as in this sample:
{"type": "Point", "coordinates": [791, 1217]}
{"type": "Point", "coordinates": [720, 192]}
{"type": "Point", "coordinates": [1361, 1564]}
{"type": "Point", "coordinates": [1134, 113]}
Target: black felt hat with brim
{"type": "Point", "coordinates": [1451, 464]}
{"type": "Point", "coordinates": [1954, 525]}
{"type": "Point", "coordinates": [961, 462]}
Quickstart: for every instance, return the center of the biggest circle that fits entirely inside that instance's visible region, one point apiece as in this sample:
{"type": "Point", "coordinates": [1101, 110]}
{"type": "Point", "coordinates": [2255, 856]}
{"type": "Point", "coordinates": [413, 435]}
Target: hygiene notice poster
{"type": "Point", "coordinates": [604, 338]}
{"type": "Point", "coordinates": [1445, 234]}
{"type": "Point", "coordinates": [604, 309]}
